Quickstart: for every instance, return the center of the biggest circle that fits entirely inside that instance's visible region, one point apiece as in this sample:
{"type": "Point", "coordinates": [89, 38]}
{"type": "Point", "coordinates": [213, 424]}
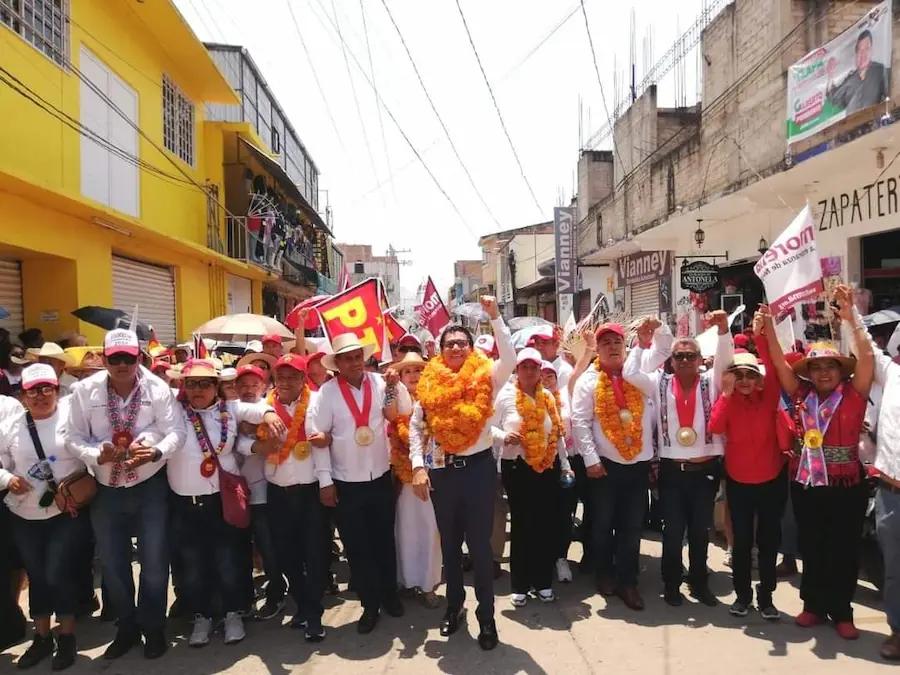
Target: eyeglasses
{"type": "Point", "coordinates": [745, 375]}
{"type": "Point", "coordinates": [42, 390]}
{"type": "Point", "coordinates": [685, 356]}
{"type": "Point", "coordinates": [199, 384]}
{"type": "Point", "coordinates": [456, 344]}
{"type": "Point", "coordinates": [121, 359]}
{"type": "Point", "coordinates": [405, 349]}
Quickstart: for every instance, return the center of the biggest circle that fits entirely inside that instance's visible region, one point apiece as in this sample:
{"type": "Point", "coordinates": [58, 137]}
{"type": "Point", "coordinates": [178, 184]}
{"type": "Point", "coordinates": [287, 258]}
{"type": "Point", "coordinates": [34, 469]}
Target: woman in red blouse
{"type": "Point", "coordinates": [829, 496]}
{"type": "Point", "coordinates": [756, 484]}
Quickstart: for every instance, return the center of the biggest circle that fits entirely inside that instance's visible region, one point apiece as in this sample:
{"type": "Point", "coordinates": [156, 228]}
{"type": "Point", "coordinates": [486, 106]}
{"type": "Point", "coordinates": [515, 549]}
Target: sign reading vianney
{"type": "Point", "coordinates": [564, 241]}
{"type": "Point", "coordinates": [849, 73]}
{"type": "Point", "coordinates": [699, 276]}
{"type": "Point", "coordinates": [790, 269]}
{"type": "Point", "coordinates": [643, 266]}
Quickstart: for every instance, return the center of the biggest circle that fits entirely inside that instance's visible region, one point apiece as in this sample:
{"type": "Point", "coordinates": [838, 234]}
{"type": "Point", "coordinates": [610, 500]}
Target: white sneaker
{"type": "Point", "coordinates": [547, 595]}
{"type": "Point", "coordinates": [200, 634]}
{"type": "Point", "coordinates": [563, 571]}
{"type": "Point", "coordinates": [234, 628]}
{"type": "Point", "coordinates": [518, 599]}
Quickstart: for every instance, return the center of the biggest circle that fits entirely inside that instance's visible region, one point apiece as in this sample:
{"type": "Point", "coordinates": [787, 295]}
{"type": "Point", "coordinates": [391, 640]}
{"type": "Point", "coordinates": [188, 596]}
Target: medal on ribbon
{"type": "Point", "coordinates": [686, 406]}
{"type": "Point", "coordinates": [363, 436]}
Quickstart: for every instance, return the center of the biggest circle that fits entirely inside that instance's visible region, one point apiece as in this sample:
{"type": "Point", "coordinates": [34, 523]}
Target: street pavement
{"type": "Point", "coordinates": [580, 633]}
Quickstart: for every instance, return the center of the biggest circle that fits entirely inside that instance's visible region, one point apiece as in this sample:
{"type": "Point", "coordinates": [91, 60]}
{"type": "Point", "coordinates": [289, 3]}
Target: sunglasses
{"type": "Point", "coordinates": [199, 384]}
{"type": "Point", "coordinates": [745, 375]}
{"type": "Point", "coordinates": [405, 349]}
{"type": "Point", "coordinates": [456, 344]}
{"type": "Point", "coordinates": [42, 390]}
{"type": "Point", "coordinates": [121, 360]}
{"type": "Point", "coordinates": [685, 356]}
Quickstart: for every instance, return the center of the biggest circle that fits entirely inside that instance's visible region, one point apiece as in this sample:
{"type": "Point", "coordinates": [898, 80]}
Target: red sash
{"type": "Point", "coordinates": [360, 417]}
{"type": "Point", "coordinates": [685, 402]}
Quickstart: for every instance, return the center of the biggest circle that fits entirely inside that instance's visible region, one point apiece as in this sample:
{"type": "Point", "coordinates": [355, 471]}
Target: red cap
{"type": "Point", "coordinates": [741, 340]}
{"type": "Point", "coordinates": [271, 337]}
{"type": "Point", "coordinates": [793, 357]}
{"type": "Point", "coordinates": [410, 339]}
{"type": "Point", "coordinates": [292, 360]}
{"type": "Point", "coordinates": [605, 328]}
{"type": "Point", "coordinates": [314, 357]}
{"type": "Point", "coordinates": [251, 370]}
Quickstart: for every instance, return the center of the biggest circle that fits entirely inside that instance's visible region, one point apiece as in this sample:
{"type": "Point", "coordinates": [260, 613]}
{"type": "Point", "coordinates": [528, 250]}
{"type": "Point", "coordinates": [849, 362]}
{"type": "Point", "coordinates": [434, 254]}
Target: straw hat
{"type": "Point", "coordinates": [195, 368]}
{"type": "Point", "coordinates": [344, 344]}
{"type": "Point", "coordinates": [819, 351]}
{"type": "Point", "coordinates": [248, 359]}
{"type": "Point", "coordinates": [49, 350]}
{"type": "Point", "coordinates": [85, 359]}
{"type": "Point", "coordinates": [411, 360]}
{"type": "Point", "coordinates": [747, 361]}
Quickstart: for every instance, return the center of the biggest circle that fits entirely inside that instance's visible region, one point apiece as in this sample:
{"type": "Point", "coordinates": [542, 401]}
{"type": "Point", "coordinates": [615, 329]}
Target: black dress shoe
{"type": "Point", "coordinates": [126, 638]}
{"type": "Point", "coordinates": [704, 595]}
{"type": "Point", "coordinates": [673, 597]}
{"type": "Point", "coordinates": [394, 607]}
{"type": "Point", "coordinates": [155, 644]}
{"type": "Point", "coordinates": [65, 652]}
{"type": "Point", "coordinates": [450, 622]}
{"type": "Point", "coordinates": [367, 621]}
{"type": "Point", "coordinates": [41, 647]}
{"type": "Point", "coordinates": [487, 636]}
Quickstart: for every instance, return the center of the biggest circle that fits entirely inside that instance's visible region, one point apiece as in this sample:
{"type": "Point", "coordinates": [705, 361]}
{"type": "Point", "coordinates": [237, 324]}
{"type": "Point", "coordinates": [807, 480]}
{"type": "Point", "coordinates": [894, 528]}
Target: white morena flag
{"type": "Point", "coordinates": [790, 269]}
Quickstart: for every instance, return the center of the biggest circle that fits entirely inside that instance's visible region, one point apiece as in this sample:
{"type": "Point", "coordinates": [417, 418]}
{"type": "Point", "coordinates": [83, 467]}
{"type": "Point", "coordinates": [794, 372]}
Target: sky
{"type": "Point", "coordinates": [544, 83]}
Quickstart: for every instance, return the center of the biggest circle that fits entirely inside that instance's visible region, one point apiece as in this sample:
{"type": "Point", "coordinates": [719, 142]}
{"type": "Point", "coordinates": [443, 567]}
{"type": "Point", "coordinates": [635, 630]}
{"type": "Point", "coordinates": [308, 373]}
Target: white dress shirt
{"type": "Point", "coordinates": [592, 443]}
{"type": "Point", "coordinates": [669, 447]}
{"type": "Point", "coordinates": [502, 369]}
{"type": "Point", "coordinates": [293, 471]}
{"type": "Point", "coordinates": [18, 455]}
{"type": "Point", "coordinates": [565, 372]}
{"type": "Point", "coordinates": [350, 462]}
{"type": "Point", "coordinates": [158, 423]}
{"type": "Point", "coordinates": [10, 409]}
{"type": "Point", "coordinates": [507, 418]}
{"type": "Point", "coordinates": [184, 474]}
{"type": "Point", "coordinates": [887, 374]}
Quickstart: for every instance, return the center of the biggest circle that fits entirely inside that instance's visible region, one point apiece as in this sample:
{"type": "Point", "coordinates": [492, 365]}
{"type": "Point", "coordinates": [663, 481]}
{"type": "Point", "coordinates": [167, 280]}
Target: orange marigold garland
{"type": "Point", "coordinates": [623, 427]}
{"type": "Point", "coordinates": [539, 446]}
{"type": "Point", "coordinates": [296, 437]}
{"type": "Point", "coordinates": [458, 404]}
{"type": "Point", "coordinates": [398, 436]}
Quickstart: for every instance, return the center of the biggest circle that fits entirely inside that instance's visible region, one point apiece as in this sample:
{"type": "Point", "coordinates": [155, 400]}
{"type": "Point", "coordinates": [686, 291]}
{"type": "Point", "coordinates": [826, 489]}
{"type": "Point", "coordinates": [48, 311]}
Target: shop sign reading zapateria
{"type": "Point", "coordinates": [699, 276]}
{"type": "Point", "coordinates": [643, 266]}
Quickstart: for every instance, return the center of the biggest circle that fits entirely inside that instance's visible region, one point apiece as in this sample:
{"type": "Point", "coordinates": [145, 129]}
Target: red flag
{"type": "Point", "coordinates": [356, 310]}
{"type": "Point", "coordinates": [434, 314]}
{"type": "Point", "coordinates": [199, 347]}
{"type": "Point", "coordinates": [154, 348]}
{"type": "Point", "coordinates": [394, 328]}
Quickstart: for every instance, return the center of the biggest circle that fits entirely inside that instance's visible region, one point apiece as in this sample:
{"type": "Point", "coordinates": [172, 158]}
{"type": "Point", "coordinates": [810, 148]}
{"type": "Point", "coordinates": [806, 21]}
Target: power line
{"type": "Point", "coordinates": [201, 19]}
{"type": "Point", "coordinates": [315, 74]}
{"type": "Point", "coordinates": [497, 108]}
{"type": "Point", "coordinates": [531, 52]}
{"type": "Point", "coordinates": [359, 116]}
{"type": "Point", "coordinates": [387, 157]}
{"type": "Point", "coordinates": [587, 29]}
{"type": "Point", "coordinates": [438, 115]}
{"type": "Point", "coordinates": [399, 128]}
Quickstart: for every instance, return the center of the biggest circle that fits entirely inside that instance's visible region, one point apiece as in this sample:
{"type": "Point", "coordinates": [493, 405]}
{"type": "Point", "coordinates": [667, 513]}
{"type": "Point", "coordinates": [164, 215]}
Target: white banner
{"type": "Point", "coordinates": [790, 269]}
{"type": "Point", "coordinates": [849, 73]}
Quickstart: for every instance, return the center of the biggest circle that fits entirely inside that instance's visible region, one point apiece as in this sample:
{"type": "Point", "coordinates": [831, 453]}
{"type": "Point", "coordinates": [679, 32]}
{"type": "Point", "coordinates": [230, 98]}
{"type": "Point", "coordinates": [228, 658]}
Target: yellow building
{"type": "Point", "coordinates": [113, 185]}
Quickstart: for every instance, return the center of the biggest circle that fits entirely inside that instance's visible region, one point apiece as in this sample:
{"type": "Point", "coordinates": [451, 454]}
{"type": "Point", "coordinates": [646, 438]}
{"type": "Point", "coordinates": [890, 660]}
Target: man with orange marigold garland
{"type": "Point", "coordinates": [613, 421]}
{"type": "Point", "coordinates": [690, 465]}
{"type": "Point", "coordinates": [451, 426]}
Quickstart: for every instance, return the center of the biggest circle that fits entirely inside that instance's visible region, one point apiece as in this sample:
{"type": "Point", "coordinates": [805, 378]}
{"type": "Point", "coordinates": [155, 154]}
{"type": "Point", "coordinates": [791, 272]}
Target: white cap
{"type": "Point", "coordinates": [253, 346]}
{"type": "Point", "coordinates": [529, 354]}
{"type": "Point", "coordinates": [545, 332]}
{"type": "Point", "coordinates": [548, 365]}
{"type": "Point", "coordinates": [485, 343]}
{"type": "Point", "coordinates": [228, 374]}
{"type": "Point", "coordinates": [39, 373]}
{"type": "Point", "coordinates": [121, 341]}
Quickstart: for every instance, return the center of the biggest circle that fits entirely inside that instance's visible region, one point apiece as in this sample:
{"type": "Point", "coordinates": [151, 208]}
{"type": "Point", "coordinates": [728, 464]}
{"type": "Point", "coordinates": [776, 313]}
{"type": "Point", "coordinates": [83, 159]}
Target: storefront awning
{"type": "Point", "coordinates": [280, 175]}
{"type": "Point", "coordinates": [542, 285]}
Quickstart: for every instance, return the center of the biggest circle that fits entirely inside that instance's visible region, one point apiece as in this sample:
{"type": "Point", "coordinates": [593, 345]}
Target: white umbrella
{"type": "Point", "coordinates": [250, 325]}
{"type": "Point", "coordinates": [520, 338]}
{"type": "Point", "coordinates": [520, 322]}
{"type": "Point", "coordinates": [883, 316]}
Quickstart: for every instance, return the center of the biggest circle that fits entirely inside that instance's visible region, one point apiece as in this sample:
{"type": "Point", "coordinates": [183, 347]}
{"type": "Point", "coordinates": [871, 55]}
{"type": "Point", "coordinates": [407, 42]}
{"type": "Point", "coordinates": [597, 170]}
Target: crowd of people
{"type": "Point", "coordinates": [209, 467]}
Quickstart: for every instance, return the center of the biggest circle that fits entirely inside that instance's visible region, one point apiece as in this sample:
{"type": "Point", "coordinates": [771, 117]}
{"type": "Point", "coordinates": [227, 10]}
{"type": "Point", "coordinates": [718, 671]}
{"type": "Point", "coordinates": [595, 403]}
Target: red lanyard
{"type": "Point", "coordinates": [361, 417]}
{"type": "Point", "coordinates": [685, 402]}
{"type": "Point", "coordinates": [286, 417]}
{"type": "Point", "coordinates": [615, 379]}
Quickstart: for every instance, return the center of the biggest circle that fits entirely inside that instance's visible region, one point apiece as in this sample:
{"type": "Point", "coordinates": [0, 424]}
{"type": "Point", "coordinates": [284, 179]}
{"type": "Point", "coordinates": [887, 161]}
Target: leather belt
{"type": "Point", "coordinates": [686, 466]}
{"type": "Point", "coordinates": [461, 462]}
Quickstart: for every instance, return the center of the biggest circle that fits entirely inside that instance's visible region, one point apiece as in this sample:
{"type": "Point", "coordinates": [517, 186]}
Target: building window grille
{"type": "Point", "coordinates": [178, 122]}
{"type": "Point", "coordinates": [43, 23]}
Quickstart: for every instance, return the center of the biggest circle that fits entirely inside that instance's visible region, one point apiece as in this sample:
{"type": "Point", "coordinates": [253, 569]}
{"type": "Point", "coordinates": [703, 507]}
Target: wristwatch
{"type": "Point", "coordinates": [157, 455]}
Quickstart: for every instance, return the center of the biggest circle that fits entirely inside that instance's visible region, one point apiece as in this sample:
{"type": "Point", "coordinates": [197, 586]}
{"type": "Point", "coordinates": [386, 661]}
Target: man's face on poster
{"type": "Point", "coordinates": [863, 53]}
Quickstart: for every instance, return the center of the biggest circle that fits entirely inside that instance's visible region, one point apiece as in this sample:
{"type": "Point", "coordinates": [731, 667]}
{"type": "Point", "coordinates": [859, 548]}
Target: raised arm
{"type": "Point", "coordinates": [786, 376]}
{"type": "Point", "coordinates": [864, 374]}
{"type": "Point", "coordinates": [506, 364]}
{"type": "Point", "coordinates": [660, 348]}
{"type": "Point", "coordinates": [584, 361]}
{"type": "Point", "coordinates": [300, 332]}
{"type": "Point", "coordinates": [724, 347]}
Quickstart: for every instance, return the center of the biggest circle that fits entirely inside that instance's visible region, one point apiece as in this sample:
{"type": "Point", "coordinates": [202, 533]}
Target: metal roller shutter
{"type": "Point", "coordinates": [645, 299]}
{"type": "Point", "coordinates": [152, 289]}
{"type": "Point", "coordinates": [11, 298]}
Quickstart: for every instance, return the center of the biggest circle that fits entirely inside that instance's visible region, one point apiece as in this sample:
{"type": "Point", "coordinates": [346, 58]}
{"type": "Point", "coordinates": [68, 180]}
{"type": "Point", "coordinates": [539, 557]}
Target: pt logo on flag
{"type": "Point", "coordinates": [790, 269]}
{"type": "Point", "coordinates": [357, 310]}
